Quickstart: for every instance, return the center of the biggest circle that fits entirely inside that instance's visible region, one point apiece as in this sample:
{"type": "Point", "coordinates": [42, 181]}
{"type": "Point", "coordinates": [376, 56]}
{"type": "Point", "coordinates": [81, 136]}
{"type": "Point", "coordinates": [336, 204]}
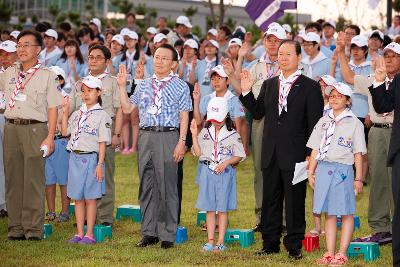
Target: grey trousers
{"type": "Point", "coordinates": [158, 192]}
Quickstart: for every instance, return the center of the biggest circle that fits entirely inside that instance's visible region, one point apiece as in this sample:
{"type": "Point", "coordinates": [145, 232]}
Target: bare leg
{"type": "Point", "coordinates": [64, 199]}
{"type": "Point", "coordinates": [330, 233]}
{"type": "Point", "coordinates": [80, 216]}
{"type": "Point", "coordinates": [91, 207]}
{"type": "Point", "coordinates": [222, 225]}
{"type": "Point", "coordinates": [125, 132]}
{"type": "Point", "coordinates": [347, 233]}
{"type": "Point", "coordinates": [210, 221]}
{"type": "Point", "coordinates": [51, 197]}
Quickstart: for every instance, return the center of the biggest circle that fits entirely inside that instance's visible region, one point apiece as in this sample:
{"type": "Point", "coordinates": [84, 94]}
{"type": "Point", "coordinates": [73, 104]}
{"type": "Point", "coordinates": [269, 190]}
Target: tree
{"type": "Point", "coordinates": [141, 9]}
{"type": "Point", "coordinates": [396, 5]}
{"type": "Point", "coordinates": [190, 11]}
{"type": "Point", "coordinates": [54, 10]}
{"type": "Point", "coordinates": [288, 19]}
{"type": "Point", "coordinates": [5, 11]}
{"type": "Point", "coordinates": [220, 15]}
{"type": "Point", "coordinates": [124, 6]}
{"type": "Point", "coordinates": [74, 17]}
{"type": "Point", "coordinates": [341, 23]}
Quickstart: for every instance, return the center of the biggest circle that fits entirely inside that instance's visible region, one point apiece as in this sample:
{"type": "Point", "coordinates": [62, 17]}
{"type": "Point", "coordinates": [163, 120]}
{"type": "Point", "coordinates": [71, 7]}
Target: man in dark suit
{"type": "Point", "coordinates": [292, 104]}
{"type": "Point", "coordinates": [386, 98]}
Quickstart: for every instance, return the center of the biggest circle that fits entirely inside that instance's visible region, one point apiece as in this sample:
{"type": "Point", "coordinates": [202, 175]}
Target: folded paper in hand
{"type": "Point", "coordinates": [300, 172]}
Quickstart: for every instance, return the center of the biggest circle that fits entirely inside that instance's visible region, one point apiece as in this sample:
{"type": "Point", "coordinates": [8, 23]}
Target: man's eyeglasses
{"type": "Point", "coordinates": [96, 58]}
{"type": "Point", "coordinates": [162, 59]}
{"type": "Point", "coordinates": [24, 46]}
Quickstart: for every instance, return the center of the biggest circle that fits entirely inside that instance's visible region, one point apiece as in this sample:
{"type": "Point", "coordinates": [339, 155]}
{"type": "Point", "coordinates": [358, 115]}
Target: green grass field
{"type": "Point", "coordinates": [121, 250]}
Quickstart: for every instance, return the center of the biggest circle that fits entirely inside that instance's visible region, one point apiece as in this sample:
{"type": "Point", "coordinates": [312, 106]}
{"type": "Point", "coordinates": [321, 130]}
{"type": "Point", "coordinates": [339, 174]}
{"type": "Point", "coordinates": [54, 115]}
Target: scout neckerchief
{"type": "Point", "coordinates": [357, 68]}
{"type": "Point", "coordinates": [329, 132]}
{"type": "Point", "coordinates": [188, 70]}
{"type": "Point", "coordinates": [285, 85]}
{"type": "Point", "coordinates": [309, 62]}
{"type": "Point", "coordinates": [129, 60]}
{"type": "Point", "coordinates": [223, 134]}
{"type": "Point", "coordinates": [83, 116]}
{"type": "Point", "coordinates": [157, 86]}
{"type": "Point", "coordinates": [19, 87]}
{"type": "Point", "coordinates": [209, 65]}
{"type": "Point", "coordinates": [272, 66]}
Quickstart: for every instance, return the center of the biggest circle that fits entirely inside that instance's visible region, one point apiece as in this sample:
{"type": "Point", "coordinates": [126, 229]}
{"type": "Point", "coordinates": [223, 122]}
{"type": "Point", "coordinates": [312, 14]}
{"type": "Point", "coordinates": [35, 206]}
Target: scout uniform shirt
{"type": "Point", "coordinates": [38, 92]}
{"type": "Point", "coordinates": [316, 67]}
{"type": "Point", "coordinates": [109, 94]}
{"type": "Point", "coordinates": [222, 147]}
{"type": "Point", "coordinates": [261, 71]}
{"type": "Point", "coordinates": [50, 59]}
{"type": "Point", "coordinates": [88, 128]}
{"type": "Point", "coordinates": [348, 138]}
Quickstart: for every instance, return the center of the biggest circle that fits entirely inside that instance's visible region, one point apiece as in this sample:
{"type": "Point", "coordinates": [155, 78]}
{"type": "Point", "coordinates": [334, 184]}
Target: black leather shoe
{"type": "Point", "coordinates": [16, 238]}
{"type": "Point", "coordinates": [267, 251]}
{"type": "Point", "coordinates": [107, 224]}
{"type": "Point", "coordinates": [257, 228]}
{"type": "Point", "coordinates": [34, 238]}
{"type": "Point", "coordinates": [167, 244]}
{"type": "Point", "coordinates": [3, 213]}
{"type": "Point", "coordinates": [295, 254]}
{"type": "Point", "coordinates": [147, 241]}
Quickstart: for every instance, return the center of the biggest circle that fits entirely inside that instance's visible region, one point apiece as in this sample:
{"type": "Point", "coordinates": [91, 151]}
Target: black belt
{"type": "Point", "coordinates": [83, 152]}
{"type": "Point", "coordinates": [206, 162]}
{"type": "Point", "coordinates": [382, 125]}
{"type": "Point", "coordinates": [56, 137]}
{"type": "Point", "coordinates": [23, 121]}
{"type": "Point", "coordinates": [159, 129]}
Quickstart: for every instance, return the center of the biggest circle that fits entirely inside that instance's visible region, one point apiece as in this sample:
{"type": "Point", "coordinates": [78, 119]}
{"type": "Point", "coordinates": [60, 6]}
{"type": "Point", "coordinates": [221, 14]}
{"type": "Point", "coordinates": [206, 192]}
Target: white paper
{"type": "Point", "coordinates": [300, 172]}
{"type": "Point", "coordinates": [45, 150]}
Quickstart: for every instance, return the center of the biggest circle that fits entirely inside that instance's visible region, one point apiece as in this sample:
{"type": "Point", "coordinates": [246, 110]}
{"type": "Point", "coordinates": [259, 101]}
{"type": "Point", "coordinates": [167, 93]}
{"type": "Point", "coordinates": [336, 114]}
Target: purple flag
{"type": "Point", "coordinates": [264, 12]}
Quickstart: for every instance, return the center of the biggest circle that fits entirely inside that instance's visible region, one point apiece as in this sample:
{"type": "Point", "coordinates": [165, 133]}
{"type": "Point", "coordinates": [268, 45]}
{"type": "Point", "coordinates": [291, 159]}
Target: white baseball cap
{"type": "Point", "coordinates": [311, 37]}
{"type": "Point", "coordinates": [213, 43]}
{"type": "Point", "coordinates": [342, 88]}
{"type": "Point", "coordinates": [220, 70]}
{"type": "Point", "coordinates": [328, 80]}
{"type": "Point", "coordinates": [119, 39]}
{"type": "Point", "coordinates": [184, 20]}
{"type": "Point", "coordinates": [151, 30]}
{"type": "Point", "coordinates": [15, 34]}
{"type": "Point", "coordinates": [330, 22]}
{"type": "Point", "coordinates": [58, 71]}
{"type": "Point", "coordinates": [159, 37]}
{"type": "Point", "coordinates": [395, 47]}
{"type": "Point", "coordinates": [92, 82]}
{"type": "Point", "coordinates": [8, 46]}
{"type": "Point", "coordinates": [277, 31]}
{"type": "Point", "coordinates": [379, 33]}
{"type": "Point", "coordinates": [287, 27]}
{"type": "Point", "coordinates": [274, 24]}
{"type": "Point", "coordinates": [217, 109]}
{"type": "Point", "coordinates": [359, 41]}
{"type": "Point", "coordinates": [51, 33]}
{"type": "Point", "coordinates": [191, 43]}
{"type": "Point", "coordinates": [96, 22]}
{"type": "Point", "coordinates": [132, 35]}
{"type": "Point", "coordinates": [213, 32]}
{"type": "Point", "coordinates": [235, 41]}
{"type": "Point", "coordinates": [124, 31]}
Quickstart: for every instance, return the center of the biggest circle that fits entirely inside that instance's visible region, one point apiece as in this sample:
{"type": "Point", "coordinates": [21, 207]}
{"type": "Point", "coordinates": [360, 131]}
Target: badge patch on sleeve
{"type": "Point", "coordinates": [345, 142]}
{"type": "Point", "coordinates": [108, 125]}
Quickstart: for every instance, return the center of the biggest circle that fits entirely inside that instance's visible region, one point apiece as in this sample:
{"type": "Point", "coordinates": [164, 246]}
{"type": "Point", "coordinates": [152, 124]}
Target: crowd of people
{"type": "Point", "coordinates": [72, 98]}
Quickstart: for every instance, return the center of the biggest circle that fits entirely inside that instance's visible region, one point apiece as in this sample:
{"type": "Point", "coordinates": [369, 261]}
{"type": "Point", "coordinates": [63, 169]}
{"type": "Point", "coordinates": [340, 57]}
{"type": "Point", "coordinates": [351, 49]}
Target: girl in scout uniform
{"type": "Point", "coordinates": [337, 143]}
{"type": "Point", "coordinates": [188, 61]}
{"type": "Point", "coordinates": [218, 147]}
{"type": "Point", "coordinates": [56, 165]}
{"type": "Point", "coordinates": [90, 130]}
{"type": "Point", "coordinates": [117, 52]}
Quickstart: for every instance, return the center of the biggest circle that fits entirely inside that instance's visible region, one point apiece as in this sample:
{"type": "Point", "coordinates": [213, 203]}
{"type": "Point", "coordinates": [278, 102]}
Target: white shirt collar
{"type": "Point", "coordinates": [291, 78]}
{"type": "Point", "coordinates": [320, 56]}
{"type": "Point", "coordinates": [223, 132]}
{"type": "Point", "coordinates": [364, 64]}
{"type": "Point", "coordinates": [84, 108]}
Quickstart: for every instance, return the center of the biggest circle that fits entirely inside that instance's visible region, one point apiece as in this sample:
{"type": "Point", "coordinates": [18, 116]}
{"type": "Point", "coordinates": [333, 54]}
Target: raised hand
{"type": "Point", "coordinates": [244, 50]}
{"type": "Point", "coordinates": [228, 66]}
{"type": "Point", "coordinates": [139, 72]}
{"type": "Point", "coordinates": [196, 93]}
{"type": "Point", "coordinates": [246, 81]}
{"type": "Point", "coordinates": [380, 70]}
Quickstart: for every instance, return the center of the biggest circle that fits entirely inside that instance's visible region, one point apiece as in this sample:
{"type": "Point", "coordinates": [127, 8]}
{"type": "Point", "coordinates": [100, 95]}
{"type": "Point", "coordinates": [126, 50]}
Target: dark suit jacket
{"type": "Point", "coordinates": [287, 134]}
{"type": "Point", "coordinates": [386, 101]}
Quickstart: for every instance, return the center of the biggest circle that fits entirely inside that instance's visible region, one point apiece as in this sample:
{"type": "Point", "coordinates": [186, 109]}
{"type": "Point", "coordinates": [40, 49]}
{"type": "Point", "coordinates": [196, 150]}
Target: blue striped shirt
{"type": "Point", "coordinates": [175, 97]}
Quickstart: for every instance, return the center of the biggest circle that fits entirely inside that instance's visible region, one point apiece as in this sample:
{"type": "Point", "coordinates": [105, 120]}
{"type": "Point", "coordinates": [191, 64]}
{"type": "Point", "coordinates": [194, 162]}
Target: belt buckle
{"type": "Point", "coordinates": [386, 125]}
{"type": "Point", "coordinates": [18, 121]}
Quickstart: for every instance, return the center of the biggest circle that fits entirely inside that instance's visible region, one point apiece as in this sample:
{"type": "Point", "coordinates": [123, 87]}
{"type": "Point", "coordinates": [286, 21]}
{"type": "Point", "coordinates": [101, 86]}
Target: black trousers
{"type": "Point", "coordinates": [277, 188]}
{"type": "Point", "coordinates": [180, 179]}
{"type": "Point", "coordinates": [396, 214]}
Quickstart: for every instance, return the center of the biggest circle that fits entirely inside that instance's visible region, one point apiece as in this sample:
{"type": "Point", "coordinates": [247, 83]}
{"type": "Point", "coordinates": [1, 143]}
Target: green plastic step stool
{"type": "Point", "coordinates": [357, 223]}
{"type": "Point", "coordinates": [201, 218]}
{"type": "Point", "coordinates": [72, 208]}
{"type": "Point", "coordinates": [47, 230]}
{"type": "Point", "coordinates": [129, 211]}
{"type": "Point", "coordinates": [101, 232]}
{"type": "Point", "coordinates": [370, 250]}
{"type": "Point", "coordinates": [244, 236]}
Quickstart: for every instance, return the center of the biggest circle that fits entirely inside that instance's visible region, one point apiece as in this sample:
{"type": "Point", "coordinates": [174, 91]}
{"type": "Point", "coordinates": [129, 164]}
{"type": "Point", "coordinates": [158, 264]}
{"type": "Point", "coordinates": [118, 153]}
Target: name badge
{"type": "Point", "coordinates": [152, 109]}
{"type": "Point", "coordinates": [20, 97]}
{"type": "Point", "coordinates": [345, 142]}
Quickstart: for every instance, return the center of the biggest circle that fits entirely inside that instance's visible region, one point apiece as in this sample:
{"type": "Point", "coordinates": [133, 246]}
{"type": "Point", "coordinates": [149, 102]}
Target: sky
{"type": "Point", "coordinates": [357, 10]}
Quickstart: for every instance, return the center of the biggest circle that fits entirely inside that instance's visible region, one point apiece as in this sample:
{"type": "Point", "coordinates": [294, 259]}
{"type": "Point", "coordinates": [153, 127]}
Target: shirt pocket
{"type": "Point", "coordinates": [37, 96]}
{"type": "Point", "coordinates": [107, 98]}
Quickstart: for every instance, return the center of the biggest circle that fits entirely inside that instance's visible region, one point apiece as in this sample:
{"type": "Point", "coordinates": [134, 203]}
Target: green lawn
{"type": "Point", "coordinates": [121, 249]}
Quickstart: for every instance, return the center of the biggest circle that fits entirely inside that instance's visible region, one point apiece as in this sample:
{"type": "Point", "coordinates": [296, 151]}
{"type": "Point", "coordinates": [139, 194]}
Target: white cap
{"type": "Point", "coordinates": [311, 37]}
{"type": "Point", "coordinates": [119, 39]}
{"type": "Point", "coordinates": [342, 88]}
{"type": "Point", "coordinates": [132, 35]}
{"type": "Point", "coordinates": [241, 28]}
{"type": "Point", "coordinates": [96, 22]}
{"type": "Point", "coordinates": [15, 34]}
{"type": "Point", "coordinates": [330, 22]}
{"type": "Point", "coordinates": [359, 41]}
{"type": "Point", "coordinates": [328, 80]}
{"type": "Point", "coordinates": [214, 43]}
{"type": "Point", "coordinates": [235, 41]}
{"type": "Point", "coordinates": [124, 31]}
{"type": "Point", "coordinates": [8, 46]}
{"type": "Point", "coordinates": [51, 33]}
{"type": "Point", "coordinates": [151, 30]}
{"type": "Point", "coordinates": [217, 109]}
{"type": "Point", "coordinates": [92, 82]}
{"type": "Point", "coordinates": [277, 31]}
{"type": "Point", "coordinates": [287, 27]}
{"type": "Point", "coordinates": [58, 71]}
{"type": "Point", "coordinates": [159, 37]}
{"type": "Point", "coordinates": [213, 31]}
{"type": "Point", "coordinates": [380, 34]}
{"type": "Point", "coordinates": [395, 47]}
{"type": "Point", "coordinates": [220, 70]}
{"type": "Point", "coordinates": [274, 24]}
{"type": "Point", "coordinates": [191, 43]}
{"type": "Point", "coordinates": [184, 20]}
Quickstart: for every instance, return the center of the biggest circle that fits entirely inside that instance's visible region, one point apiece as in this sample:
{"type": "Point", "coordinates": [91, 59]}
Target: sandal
{"type": "Point", "coordinates": [64, 217]}
{"type": "Point", "coordinates": [220, 248]}
{"type": "Point", "coordinates": [51, 216]}
{"type": "Point", "coordinates": [326, 259]}
{"type": "Point", "coordinates": [314, 232]}
{"type": "Point", "coordinates": [207, 247]}
{"type": "Point", "coordinates": [339, 260]}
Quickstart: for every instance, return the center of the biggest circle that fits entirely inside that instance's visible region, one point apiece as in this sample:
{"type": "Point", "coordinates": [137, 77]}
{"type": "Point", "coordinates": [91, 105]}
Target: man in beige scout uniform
{"type": "Point", "coordinates": [98, 60]}
{"type": "Point", "coordinates": [31, 113]}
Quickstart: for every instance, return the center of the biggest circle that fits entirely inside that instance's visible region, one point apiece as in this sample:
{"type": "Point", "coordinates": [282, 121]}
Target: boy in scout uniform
{"type": "Point", "coordinates": [31, 114]}
{"type": "Point", "coordinates": [98, 60]}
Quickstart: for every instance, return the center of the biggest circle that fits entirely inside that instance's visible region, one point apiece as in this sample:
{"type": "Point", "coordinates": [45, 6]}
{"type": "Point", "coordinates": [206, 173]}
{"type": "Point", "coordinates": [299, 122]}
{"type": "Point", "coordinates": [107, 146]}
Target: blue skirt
{"type": "Point", "coordinates": [217, 192]}
{"type": "Point", "coordinates": [56, 165]}
{"type": "Point", "coordinates": [334, 189]}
